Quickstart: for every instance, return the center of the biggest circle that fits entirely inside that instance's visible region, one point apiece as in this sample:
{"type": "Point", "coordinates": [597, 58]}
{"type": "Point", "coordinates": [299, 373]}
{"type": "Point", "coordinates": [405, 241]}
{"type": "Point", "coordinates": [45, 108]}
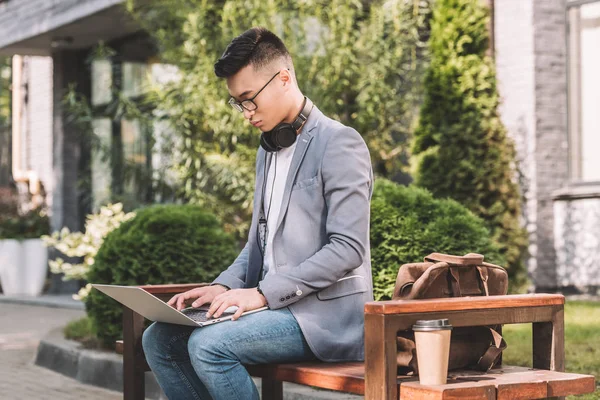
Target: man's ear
{"type": "Point", "coordinates": [286, 77]}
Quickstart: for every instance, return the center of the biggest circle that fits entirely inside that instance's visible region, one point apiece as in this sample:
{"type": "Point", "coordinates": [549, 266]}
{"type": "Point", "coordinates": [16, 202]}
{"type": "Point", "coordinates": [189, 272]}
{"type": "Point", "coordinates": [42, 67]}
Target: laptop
{"type": "Point", "coordinates": [154, 309]}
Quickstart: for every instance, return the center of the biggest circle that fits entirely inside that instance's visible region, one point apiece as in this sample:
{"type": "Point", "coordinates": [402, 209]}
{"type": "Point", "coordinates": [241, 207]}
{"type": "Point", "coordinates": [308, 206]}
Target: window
{"type": "Point", "coordinates": [121, 160]}
{"type": "Point", "coordinates": [101, 168]}
{"type": "Point", "coordinates": [584, 89]}
{"type": "Point", "coordinates": [101, 82]}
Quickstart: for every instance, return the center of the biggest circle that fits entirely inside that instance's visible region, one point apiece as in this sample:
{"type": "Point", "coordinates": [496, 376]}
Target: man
{"type": "Point", "coordinates": [307, 257]}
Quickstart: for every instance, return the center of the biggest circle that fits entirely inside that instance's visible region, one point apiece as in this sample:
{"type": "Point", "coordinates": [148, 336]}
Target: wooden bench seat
{"type": "Point", "coordinates": [380, 381]}
{"type": "Point", "coordinates": [500, 383]}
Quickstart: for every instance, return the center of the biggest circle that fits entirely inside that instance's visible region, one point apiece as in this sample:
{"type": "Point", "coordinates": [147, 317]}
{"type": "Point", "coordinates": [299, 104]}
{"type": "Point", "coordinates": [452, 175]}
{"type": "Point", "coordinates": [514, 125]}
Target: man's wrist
{"type": "Point", "coordinates": [262, 294]}
{"type": "Point", "coordinates": [223, 286]}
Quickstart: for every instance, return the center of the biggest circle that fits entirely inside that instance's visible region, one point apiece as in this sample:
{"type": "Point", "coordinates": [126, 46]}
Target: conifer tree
{"type": "Point", "coordinates": [461, 149]}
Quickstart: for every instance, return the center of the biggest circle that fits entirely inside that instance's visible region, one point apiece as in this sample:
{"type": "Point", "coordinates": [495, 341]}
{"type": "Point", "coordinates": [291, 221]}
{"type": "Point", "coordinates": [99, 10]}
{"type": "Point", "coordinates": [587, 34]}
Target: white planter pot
{"type": "Point", "coordinates": [23, 266]}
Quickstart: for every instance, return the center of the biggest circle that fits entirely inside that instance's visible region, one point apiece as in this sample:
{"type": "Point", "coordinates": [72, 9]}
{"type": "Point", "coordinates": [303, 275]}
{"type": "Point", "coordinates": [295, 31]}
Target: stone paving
{"type": "Point", "coordinates": [21, 328]}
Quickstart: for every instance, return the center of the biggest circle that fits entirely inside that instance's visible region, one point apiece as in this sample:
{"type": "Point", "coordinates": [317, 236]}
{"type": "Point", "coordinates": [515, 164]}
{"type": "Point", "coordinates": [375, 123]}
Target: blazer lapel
{"type": "Point", "coordinates": [303, 141]}
{"type": "Point", "coordinates": [264, 162]}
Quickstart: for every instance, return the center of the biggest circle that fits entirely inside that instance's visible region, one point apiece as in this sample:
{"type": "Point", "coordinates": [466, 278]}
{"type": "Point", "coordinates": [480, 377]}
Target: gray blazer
{"type": "Point", "coordinates": [321, 243]}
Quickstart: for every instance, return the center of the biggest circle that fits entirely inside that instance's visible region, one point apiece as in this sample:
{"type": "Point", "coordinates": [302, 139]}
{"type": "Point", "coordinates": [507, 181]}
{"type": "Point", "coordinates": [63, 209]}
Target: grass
{"type": "Point", "coordinates": [82, 331]}
{"type": "Point", "coordinates": [582, 342]}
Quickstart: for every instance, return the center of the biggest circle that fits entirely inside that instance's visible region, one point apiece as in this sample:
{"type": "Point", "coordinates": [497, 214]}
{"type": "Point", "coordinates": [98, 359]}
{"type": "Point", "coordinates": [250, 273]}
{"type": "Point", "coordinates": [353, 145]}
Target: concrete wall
{"type": "Point", "coordinates": [577, 243]}
{"type": "Point", "coordinates": [23, 19]}
{"type": "Point", "coordinates": [37, 120]}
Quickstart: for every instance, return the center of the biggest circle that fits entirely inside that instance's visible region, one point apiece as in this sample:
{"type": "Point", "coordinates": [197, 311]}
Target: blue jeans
{"type": "Point", "coordinates": [206, 363]}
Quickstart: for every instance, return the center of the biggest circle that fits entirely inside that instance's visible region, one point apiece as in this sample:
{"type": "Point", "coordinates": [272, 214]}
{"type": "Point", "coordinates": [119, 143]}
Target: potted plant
{"type": "Point", "coordinates": [23, 256]}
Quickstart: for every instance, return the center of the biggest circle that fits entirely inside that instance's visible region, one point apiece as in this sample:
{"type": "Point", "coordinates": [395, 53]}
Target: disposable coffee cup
{"type": "Point", "coordinates": [432, 338]}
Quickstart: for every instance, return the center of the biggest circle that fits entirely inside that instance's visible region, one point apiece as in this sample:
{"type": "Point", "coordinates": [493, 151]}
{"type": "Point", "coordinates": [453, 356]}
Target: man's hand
{"type": "Point", "coordinates": [244, 299]}
{"type": "Point", "coordinates": [203, 295]}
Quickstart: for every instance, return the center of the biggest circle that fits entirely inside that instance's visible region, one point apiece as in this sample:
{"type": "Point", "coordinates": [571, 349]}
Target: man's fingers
{"type": "Point", "coordinates": [214, 306]}
{"type": "Point", "coordinates": [172, 300]}
{"type": "Point", "coordinates": [200, 301]}
{"type": "Point", "coordinates": [181, 301]}
{"type": "Point", "coordinates": [238, 313]}
{"type": "Point", "coordinates": [224, 306]}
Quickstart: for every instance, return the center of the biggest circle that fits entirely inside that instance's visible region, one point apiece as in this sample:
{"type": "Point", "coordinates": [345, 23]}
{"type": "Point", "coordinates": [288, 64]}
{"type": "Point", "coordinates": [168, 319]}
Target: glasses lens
{"type": "Point", "coordinates": [249, 105]}
{"type": "Point", "coordinates": [235, 105]}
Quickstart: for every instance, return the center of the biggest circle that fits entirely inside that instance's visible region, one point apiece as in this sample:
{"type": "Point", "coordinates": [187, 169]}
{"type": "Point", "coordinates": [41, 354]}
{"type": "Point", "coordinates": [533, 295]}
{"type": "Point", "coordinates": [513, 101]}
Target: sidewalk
{"type": "Point", "coordinates": [26, 321]}
{"type": "Point", "coordinates": [21, 328]}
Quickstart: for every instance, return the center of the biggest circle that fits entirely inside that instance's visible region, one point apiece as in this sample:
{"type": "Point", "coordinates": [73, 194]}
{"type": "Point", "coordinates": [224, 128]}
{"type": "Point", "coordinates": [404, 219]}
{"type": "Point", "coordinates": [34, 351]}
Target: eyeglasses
{"type": "Point", "coordinates": [249, 104]}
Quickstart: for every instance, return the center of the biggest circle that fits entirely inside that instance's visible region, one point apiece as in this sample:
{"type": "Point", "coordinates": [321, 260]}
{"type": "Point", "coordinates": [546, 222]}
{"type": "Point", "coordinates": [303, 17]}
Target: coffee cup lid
{"type": "Point", "coordinates": [431, 325]}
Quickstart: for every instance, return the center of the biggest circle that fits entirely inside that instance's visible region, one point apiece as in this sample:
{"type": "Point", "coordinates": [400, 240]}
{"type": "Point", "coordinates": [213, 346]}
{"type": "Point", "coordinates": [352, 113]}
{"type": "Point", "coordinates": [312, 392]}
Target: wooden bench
{"type": "Point", "coordinates": [377, 377]}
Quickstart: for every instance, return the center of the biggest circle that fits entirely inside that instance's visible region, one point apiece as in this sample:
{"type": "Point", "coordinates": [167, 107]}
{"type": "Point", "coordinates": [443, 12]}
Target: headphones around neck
{"type": "Point", "coordinates": [284, 134]}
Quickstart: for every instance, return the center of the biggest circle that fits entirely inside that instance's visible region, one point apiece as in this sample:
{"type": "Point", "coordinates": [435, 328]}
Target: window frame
{"type": "Point", "coordinates": [117, 158]}
{"type": "Point", "coordinates": [574, 107]}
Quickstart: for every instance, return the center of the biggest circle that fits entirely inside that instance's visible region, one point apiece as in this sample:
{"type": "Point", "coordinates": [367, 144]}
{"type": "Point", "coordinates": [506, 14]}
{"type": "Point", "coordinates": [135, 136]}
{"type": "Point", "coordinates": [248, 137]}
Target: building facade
{"type": "Point", "coordinates": [547, 62]}
{"type": "Point", "coordinates": [53, 46]}
{"type": "Point", "coordinates": [547, 66]}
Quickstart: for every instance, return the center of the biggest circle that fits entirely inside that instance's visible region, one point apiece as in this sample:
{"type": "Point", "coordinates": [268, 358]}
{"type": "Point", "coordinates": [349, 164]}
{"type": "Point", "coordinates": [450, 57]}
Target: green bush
{"type": "Point", "coordinates": [461, 149]}
{"type": "Point", "coordinates": [407, 223]}
{"type": "Point", "coordinates": [163, 244]}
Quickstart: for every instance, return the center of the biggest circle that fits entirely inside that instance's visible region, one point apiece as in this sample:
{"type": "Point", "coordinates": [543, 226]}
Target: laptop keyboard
{"type": "Point", "coordinates": [199, 315]}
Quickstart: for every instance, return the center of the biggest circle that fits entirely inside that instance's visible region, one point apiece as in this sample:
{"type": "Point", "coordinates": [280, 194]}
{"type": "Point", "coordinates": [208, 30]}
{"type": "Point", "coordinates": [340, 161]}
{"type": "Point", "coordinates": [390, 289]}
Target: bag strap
{"type": "Point", "coordinates": [454, 278]}
{"type": "Point", "coordinates": [483, 276]}
{"type": "Point", "coordinates": [489, 358]}
{"type": "Point", "coordinates": [467, 259]}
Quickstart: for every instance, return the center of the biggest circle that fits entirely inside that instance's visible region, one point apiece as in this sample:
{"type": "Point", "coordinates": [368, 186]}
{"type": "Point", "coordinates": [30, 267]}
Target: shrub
{"type": "Point", "coordinates": [461, 148]}
{"type": "Point", "coordinates": [84, 246]}
{"type": "Point", "coordinates": [407, 223]}
{"type": "Point", "coordinates": [163, 244]}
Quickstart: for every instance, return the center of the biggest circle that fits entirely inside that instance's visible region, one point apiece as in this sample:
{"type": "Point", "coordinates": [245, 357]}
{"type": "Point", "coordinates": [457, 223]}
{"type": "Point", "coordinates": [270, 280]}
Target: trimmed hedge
{"type": "Point", "coordinates": [163, 244]}
{"type": "Point", "coordinates": [407, 223]}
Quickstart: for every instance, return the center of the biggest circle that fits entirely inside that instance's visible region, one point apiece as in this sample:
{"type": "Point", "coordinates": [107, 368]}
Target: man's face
{"type": "Point", "coordinates": [271, 105]}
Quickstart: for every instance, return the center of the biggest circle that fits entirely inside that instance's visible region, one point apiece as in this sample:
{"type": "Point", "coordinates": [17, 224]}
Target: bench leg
{"type": "Point", "coordinates": [380, 358]}
{"type": "Point", "coordinates": [133, 373]}
{"type": "Point", "coordinates": [271, 389]}
{"type": "Point", "coordinates": [548, 344]}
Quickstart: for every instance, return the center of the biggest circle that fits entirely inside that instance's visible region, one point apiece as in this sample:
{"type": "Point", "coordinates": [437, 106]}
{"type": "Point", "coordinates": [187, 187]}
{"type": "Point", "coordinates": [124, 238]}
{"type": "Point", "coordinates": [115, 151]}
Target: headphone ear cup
{"type": "Point", "coordinates": [266, 142]}
{"type": "Point", "coordinates": [284, 135]}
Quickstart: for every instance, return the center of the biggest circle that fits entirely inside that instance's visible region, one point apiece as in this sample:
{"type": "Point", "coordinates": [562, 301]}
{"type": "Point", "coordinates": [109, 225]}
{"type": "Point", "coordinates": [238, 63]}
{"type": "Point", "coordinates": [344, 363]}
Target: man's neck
{"type": "Point", "coordinates": [296, 108]}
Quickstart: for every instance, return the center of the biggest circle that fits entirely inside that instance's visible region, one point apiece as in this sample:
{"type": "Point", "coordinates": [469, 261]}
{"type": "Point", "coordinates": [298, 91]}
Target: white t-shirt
{"type": "Point", "coordinates": [276, 179]}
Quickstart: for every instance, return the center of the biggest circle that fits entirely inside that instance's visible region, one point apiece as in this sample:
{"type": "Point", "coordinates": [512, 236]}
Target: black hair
{"type": "Point", "coordinates": [256, 46]}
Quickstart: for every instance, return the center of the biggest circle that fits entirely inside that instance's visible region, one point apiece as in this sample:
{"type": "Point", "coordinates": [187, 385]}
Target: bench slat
{"type": "Point", "coordinates": [172, 288]}
{"type": "Point", "coordinates": [463, 303]}
{"type": "Point", "coordinates": [503, 384]}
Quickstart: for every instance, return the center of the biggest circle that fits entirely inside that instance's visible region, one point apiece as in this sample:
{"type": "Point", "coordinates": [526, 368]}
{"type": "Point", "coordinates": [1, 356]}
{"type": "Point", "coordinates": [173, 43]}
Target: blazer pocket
{"type": "Point", "coordinates": [305, 183]}
{"type": "Point", "coordinates": [344, 287]}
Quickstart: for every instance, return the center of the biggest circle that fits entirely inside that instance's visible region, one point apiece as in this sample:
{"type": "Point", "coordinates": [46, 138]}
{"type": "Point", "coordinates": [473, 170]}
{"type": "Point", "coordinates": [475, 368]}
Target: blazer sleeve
{"type": "Point", "coordinates": [234, 277]}
{"type": "Point", "coordinates": [347, 185]}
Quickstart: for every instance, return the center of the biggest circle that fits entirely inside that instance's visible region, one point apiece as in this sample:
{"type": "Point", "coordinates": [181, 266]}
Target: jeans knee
{"type": "Point", "coordinates": [151, 341]}
{"type": "Point", "coordinates": [206, 352]}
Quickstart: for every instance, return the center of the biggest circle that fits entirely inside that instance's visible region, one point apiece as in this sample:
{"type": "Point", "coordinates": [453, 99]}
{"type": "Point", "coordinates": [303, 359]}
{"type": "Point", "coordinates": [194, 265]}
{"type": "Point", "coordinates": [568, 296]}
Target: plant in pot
{"type": "Point", "coordinates": [23, 256]}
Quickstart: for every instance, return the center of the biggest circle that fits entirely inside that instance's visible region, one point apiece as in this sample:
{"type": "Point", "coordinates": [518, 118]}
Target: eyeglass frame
{"type": "Point", "coordinates": [239, 105]}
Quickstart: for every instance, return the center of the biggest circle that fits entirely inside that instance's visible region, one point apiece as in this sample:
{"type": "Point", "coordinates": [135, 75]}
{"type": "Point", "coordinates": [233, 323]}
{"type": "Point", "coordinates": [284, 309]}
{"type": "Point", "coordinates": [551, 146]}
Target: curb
{"type": "Point", "coordinates": [105, 369]}
{"type": "Point", "coordinates": [53, 301]}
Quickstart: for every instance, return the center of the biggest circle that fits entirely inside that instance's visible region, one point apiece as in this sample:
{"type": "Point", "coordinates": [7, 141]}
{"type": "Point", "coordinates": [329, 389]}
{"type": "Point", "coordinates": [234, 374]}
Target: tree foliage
{"type": "Point", "coordinates": [408, 223]}
{"type": "Point", "coordinates": [461, 148]}
{"type": "Point", "coordinates": [358, 61]}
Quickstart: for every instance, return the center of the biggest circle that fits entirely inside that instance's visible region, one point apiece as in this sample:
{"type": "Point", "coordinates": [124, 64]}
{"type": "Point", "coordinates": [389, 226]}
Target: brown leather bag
{"type": "Point", "coordinates": [443, 275]}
